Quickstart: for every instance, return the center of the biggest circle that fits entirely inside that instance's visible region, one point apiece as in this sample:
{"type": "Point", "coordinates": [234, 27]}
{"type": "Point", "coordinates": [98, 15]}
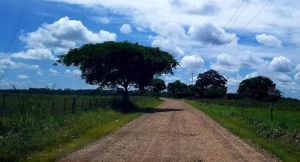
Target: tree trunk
{"type": "Point", "coordinates": [125, 93]}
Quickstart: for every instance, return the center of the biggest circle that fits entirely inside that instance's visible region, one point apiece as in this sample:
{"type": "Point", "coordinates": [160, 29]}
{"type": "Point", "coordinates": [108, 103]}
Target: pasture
{"type": "Point", "coordinates": [38, 127]}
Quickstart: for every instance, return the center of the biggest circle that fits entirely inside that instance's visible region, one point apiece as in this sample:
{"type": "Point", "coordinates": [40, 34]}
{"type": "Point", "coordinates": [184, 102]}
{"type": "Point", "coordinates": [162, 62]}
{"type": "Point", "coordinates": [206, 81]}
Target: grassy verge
{"type": "Point", "coordinates": [275, 137]}
{"type": "Point", "coordinates": [44, 137]}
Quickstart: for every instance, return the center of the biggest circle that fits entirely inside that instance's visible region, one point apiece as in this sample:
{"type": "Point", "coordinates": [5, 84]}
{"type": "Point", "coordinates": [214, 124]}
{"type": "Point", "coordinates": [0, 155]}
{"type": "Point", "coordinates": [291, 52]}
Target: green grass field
{"type": "Point", "coordinates": [281, 137]}
{"type": "Point", "coordinates": [41, 133]}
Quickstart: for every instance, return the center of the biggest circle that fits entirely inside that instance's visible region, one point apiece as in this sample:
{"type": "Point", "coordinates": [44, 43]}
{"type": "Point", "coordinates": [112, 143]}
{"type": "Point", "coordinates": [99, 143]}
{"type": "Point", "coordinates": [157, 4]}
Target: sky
{"type": "Point", "coordinates": [238, 38]}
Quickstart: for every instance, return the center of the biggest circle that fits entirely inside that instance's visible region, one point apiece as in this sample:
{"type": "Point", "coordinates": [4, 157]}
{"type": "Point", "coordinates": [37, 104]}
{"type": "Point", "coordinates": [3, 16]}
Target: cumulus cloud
{"type": "Point", "coordinates": [297, 68]}
{"type": "Point", "coordinates": [125, 29]}
{"type": "Point", "coordinates": [297, 76]}
{"type": "Point", "coordinates": [224, 69]}
{"type": "Point", "coordinates": [35, 54]}
{"type": "Point", "coordinates": [168, 45]}
{"type": "Point", "coordinates": [53, 72]}
{"type": "Point", "coordinates": [22, 77]}
{"type": "Point", "coordinates": [281, 64]}
{"type": "Point", "coordinates": [268, 40]}
{"type": "Point", "coordinates": [191, 62]}
{"type": "Point", "coordinates": [64, 33]}
{"type": "Point", "coordinates": [210, 33]}
{"type": "Point", "coordinates": [39, 73]}
{"type": "Point", "coordinates": [74, 72]}
{"type": "Point", "coordinates": [251, 75]}
{"type": "Point", "coordinates": [103, 20]}
{"type": "Point", "coordinates": [68, 71]}
{"type": "Point", "coordinates": [284, 78]}
{"type": "Point", "coordinates": [170, 30]}
{"type": "Point", "coordinates": [9, 64]}
{"type": "Point", "coordinates": [172, 78]}
{"type": "Point", "coordinates": [230, 64]}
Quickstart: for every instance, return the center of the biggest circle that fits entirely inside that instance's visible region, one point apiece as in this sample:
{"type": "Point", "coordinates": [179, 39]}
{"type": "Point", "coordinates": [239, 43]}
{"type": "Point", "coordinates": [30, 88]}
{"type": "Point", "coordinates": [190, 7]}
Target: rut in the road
{"type": "Point", "coordinates": [174, 132]}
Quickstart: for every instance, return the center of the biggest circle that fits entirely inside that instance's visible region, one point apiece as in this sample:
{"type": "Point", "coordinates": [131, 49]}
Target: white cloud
{"type": "Point", "coordinates": [140, 29]}
{"type": "Point", "coordinates": [225, 70]}
{"type": "Point", "coordinates": [251, 75]}
{"type": "Point", "coordinates": [1, 71]}
{"type": "Point", "coordinates": [68, 71]}
{"type": "Point", "coordinates": [103, 20]}
{"type": "Point", "coordinates": [191, 62]}
{"type": "Point", "coordinates": [268, 40]}
{"type": "Point", "coordinates": [210, 33]}
{"type": "Point", "coordinates": [9, 64]}
{"type": "Point", "coordinates": [297, 76]}
{"type": "Point", "coordinates": [39, 73]}
{"type": "Point", "coordinates": [172, 78]}
{"type": "Point", "coordinates": [53, 72]}
{"type": "Point", "coordinates": [281, 64]}
{"type": "Point", "coordinates": [168, 45]}
{"type": "Point", "coordinates": [64, 33]}
{"type": "Point", "coordinates": [297, 68]}
{"type": "Point", "coordinates": [76, 72]}
{"type": "Point", "coordinates": [125, 29]}
{"type": "Point", "coordinates": [22, 77]}
{"type": "Point", "coordinates": [284, 78]}
{"type": "Point", "coordinates": [35, 54]}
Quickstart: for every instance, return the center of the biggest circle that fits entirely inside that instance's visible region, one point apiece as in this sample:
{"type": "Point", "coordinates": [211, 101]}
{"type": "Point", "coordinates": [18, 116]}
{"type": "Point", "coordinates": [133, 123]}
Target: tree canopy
{"type": "Point", "coordinates": [210, 85]}
{"type": "Point", "coordinates": [114, 64]}
{"type": "Point", "coordinates": [158, 85]}
{"type": "Point", "coordinates": [178, 89]}
{"type": "Point", "coordinates": [259, 88]}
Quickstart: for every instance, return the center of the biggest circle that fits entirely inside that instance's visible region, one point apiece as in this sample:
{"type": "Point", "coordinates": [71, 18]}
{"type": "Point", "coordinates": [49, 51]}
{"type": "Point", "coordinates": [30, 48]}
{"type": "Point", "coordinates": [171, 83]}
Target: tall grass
{"type": "Point", "coordinates": [38, 135]}
{"type": "Point", "coordinates": [281, 137]}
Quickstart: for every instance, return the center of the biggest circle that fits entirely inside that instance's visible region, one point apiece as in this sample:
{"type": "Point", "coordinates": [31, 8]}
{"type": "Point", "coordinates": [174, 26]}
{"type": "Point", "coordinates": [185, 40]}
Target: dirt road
{"type": "Point", "coordinates": [174, 132]}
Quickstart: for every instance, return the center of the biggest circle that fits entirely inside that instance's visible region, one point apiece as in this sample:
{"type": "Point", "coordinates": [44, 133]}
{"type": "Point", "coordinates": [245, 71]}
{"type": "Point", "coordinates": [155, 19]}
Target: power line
{"type": "Point", "coordinates": [225, 27]}
{"type": "Point", "coordinates": [213, 46]}
{"type": "Point", "coordinates": [247, 24]}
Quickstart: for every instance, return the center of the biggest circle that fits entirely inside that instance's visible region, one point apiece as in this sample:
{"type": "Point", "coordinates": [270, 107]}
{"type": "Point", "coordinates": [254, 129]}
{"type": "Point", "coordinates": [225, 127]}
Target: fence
{"type": "Point", "coordinates": [283, 111]}
{"type": "Point", "coordinates": [21, 104]}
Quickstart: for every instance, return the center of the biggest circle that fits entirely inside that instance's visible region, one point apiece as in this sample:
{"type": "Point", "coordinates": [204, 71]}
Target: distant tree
{"type": "Point", "coordinates": [158, 85]}
{"type": "Point", "coordinates": [179, 90]}
{"type": "Point", "coordinates": [259, 88]}
{"type": "Point", "coordinates": [210, 85]}
{"type": "Point", "coordinates": [119, 64]}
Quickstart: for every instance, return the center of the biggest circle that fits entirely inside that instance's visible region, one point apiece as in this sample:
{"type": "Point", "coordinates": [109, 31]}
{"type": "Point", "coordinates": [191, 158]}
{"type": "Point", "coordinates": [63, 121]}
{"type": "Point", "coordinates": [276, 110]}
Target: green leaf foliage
{"type": "Point", "coordinates": [259, 88]}
{"type": "Point", "coordinates": [119, 63]}
{"type": "Point", "coordinates": [210, 85]}
{"type": "Point", "coordinates": [180, 90]}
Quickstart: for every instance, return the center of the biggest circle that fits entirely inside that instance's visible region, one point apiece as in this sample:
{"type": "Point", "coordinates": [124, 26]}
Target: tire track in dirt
{"type": "Point", "coordinates": [175, 131]}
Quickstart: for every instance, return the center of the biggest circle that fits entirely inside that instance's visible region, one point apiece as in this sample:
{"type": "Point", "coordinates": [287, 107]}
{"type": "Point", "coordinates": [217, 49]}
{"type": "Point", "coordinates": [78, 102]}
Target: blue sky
{"type": "Point", "coordinates": [197, 33]}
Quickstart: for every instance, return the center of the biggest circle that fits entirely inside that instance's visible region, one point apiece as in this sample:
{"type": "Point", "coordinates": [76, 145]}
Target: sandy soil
{"type": "Point", "coordinates": [174, 132]}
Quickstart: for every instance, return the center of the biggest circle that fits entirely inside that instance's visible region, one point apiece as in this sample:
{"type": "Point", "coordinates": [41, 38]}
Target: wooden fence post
{"type": "Point", "coordinates": [74, 105]}
{"type": "Point", "coordinates": [65, 106]}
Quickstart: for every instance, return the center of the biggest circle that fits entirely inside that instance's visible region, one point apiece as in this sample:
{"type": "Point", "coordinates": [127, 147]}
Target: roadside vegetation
{"type": "Point", "coordinates": [38, 135]}
{"type": "Point", "coordinates": [281, 137]}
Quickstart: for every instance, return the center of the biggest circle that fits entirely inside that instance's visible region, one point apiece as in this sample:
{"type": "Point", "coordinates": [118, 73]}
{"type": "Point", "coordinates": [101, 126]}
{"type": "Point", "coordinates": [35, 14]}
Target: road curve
{"type": "Point", "coordinates": [175, 131]}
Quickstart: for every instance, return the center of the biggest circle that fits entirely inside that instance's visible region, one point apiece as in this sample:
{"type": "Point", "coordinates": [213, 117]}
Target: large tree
{"type": "Point", "coordinates": [259, 88]}
{"type": "Point", "coordinates": [210, 85]}
{"type": "Point", "coordinates": [178, 89]}
{"type": "Point", "coordinates": [119, 64]}
{"type": "Point", "coordinates": [157, 85]}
